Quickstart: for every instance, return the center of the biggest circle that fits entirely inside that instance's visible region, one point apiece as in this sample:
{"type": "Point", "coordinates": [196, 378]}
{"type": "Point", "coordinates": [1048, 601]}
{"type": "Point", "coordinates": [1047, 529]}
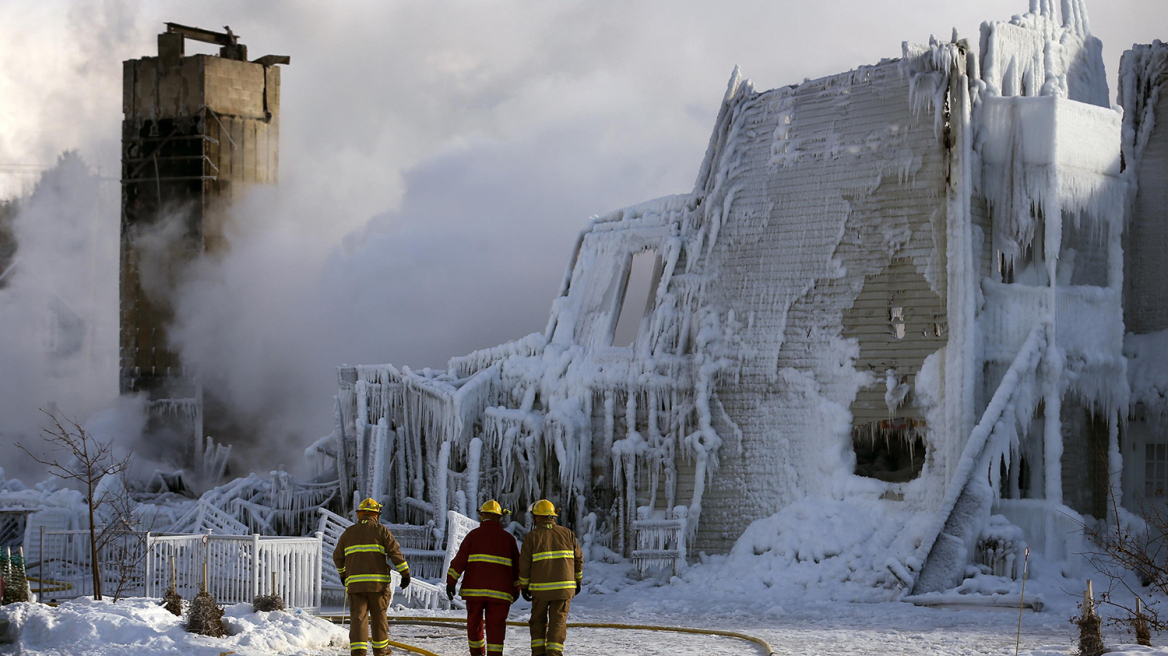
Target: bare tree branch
{"type": "Point", "coordinates": [1118, 552]}
{"type": "Point", "coordinates": [88, 460]}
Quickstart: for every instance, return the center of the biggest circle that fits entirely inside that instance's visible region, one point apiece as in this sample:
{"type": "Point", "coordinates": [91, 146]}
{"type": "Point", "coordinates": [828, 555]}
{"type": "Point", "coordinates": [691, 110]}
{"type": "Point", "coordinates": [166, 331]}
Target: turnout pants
{"type": "Point", "coordinates": [496, 625]}
{"type": "Point", "coordinates": [369, 607]}
{"type": "Point", "coordinates": [549, 626]}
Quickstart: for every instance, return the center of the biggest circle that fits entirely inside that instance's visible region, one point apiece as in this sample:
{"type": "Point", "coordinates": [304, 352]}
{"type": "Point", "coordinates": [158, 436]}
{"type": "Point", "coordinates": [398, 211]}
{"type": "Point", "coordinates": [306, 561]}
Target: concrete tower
{"type": "Point", "coordinates": [197, 129]}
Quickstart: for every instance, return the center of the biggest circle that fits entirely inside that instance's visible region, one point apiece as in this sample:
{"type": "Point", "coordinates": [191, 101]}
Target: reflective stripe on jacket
{"type": "Point", "coordinates": [488, 561]}
{"type": "Point", "coordinates": [361, 555]}
{"type": "Point", "coordinates": [550, 562]}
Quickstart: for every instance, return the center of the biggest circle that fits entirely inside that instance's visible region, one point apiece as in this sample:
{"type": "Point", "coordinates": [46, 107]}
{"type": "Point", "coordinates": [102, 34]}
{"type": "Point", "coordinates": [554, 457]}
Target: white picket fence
{"type": "Point", "coordinates": [62, 568]}
{"type": "Point", "coordinates": [238, 567]}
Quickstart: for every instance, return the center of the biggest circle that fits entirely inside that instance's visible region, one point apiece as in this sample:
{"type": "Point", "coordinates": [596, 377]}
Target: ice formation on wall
{"type": "Point", "coordinates": [1141, 77]}
{"type": "Point", "coordinates": [1048, 51]}
{"type": "Point", "coordinates": [888, 312]}
{"type": "Point", "coordinates": [545, 415]}
{"type": "Point", "coordinates": [919, 260]}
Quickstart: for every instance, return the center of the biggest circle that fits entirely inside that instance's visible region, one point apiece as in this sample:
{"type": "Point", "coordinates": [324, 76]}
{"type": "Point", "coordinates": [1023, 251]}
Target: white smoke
{"type": "Point", "coordinates": [59, 346]}
{"type": "Point", "coordinates": [436, 161]}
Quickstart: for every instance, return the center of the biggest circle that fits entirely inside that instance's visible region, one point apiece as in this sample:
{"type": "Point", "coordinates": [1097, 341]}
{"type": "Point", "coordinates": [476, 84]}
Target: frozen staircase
{"type": "Point", "coordinates": [970, 497]}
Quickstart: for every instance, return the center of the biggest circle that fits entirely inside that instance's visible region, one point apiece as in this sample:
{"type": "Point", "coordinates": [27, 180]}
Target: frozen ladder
{"type": "Point", "coordinates": [967, 504]}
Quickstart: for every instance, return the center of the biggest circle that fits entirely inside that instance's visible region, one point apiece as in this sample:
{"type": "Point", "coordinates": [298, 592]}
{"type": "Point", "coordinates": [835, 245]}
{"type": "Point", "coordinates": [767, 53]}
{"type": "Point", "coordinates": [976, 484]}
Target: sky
{"type": "Point", "coordinates": [437, 161]}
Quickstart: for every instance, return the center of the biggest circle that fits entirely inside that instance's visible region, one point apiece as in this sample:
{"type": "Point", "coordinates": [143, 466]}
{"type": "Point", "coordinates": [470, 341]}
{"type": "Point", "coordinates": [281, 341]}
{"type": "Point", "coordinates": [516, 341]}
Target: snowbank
{"type": "Point", "coordinates": [818, 549]}
{"type": "Point", "coordinates": [84, 627]}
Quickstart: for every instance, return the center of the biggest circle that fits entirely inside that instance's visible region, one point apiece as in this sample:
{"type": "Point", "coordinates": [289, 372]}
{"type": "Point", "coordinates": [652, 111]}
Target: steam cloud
{"type": "Point", "coordinates": [437, 160]}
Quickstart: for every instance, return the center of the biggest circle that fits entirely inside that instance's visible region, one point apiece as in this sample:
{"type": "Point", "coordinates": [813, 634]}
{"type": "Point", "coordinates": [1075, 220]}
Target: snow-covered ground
{"type": "Point", "coordinates": [84, 627]}
{"type": "Point", "coordinates": [795, 625]}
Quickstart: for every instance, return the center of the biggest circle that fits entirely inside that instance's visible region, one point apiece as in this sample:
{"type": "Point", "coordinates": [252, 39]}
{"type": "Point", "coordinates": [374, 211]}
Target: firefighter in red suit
{"type": "Point", "coordinates": [489, 558]}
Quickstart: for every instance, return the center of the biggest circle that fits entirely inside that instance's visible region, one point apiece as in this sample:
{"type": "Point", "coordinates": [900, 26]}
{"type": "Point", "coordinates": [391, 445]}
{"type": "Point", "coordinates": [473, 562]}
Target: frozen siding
{"type": "Point", "coordinates": [1147, 268]}
{"type": "Point", "coordinates": [899, 321]}
{"type": "Point", "coordinates": [852, 181]}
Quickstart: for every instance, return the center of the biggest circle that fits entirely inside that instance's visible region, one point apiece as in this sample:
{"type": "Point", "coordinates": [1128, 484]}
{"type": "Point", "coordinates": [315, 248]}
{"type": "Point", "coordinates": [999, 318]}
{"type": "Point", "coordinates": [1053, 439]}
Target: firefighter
{"type": "Point", "coordinates": [360, 557]}
{"type": "Point", "coordinates": [489, 559]}
{"type": "Point", "coordinates": [550, 569]}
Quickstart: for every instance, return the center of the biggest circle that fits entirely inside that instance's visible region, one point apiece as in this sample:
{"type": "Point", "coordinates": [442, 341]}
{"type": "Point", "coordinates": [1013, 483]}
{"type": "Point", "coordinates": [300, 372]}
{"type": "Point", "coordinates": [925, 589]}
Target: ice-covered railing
{"type": "Point", "coordinates": [459, 527]}
{"type": "Point", "coordinates": [468, 365]}
{"type": "Point", "coordinates": [1001, 548]}
{"type": "Point", "coordinates": [238, 567]}
{"type": "Point", "coordinates": [1147, 368]}
{"type": "Point", "coordinates": [204, 517]}
{"type": "Point", "coordinates": [394, 426]}
{"type": "Point", "coordinates": [965, 510]}
{"type": "Point", "coordinates": [272, 505]}
{"type": "Point", "coordinates": [661, 541]}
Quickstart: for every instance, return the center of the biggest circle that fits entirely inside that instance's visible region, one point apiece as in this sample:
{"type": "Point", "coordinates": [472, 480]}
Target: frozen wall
{"type": "Point", "coordinates": [893, 248]}
{"type": "Point", "coordinates": [1143, 73]}
{"type": "Point", "coordinates": [840, 197]}
{"type": "Point", "coordinates": [1142, 79]}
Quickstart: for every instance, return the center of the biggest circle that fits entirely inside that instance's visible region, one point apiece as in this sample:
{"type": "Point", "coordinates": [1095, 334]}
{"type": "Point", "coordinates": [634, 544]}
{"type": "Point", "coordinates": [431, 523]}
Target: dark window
{"type": "Point", "coordinates": [637, 299]}
{"type": "Point", "coordinates": [892, 450]}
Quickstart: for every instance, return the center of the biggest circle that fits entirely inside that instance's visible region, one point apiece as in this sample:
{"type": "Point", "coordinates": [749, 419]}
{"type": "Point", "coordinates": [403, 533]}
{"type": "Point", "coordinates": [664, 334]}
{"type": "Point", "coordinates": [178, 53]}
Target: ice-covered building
{"type": "Point", "coordinates": [1143, 81]}
{"type": "Point", "coordinates": [901, 285]}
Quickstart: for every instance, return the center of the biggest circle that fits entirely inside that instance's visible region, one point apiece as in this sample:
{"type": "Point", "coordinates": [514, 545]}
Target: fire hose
{"type": "Point", "coordinates": [448, 621]}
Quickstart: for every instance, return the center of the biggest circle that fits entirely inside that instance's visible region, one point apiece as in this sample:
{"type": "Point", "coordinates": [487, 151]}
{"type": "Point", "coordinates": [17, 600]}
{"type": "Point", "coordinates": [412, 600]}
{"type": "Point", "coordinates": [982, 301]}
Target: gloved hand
{"type": "Point", "coordinates": [343, 578]}
{"type": "Point", "coordinates": [577, 587]}
{"type": "Point", "coordinates": [526, 593]}
{"type": "Point", "coordinates": [405, 581]}
{"type": "Point", "coordinates": [450, 592]}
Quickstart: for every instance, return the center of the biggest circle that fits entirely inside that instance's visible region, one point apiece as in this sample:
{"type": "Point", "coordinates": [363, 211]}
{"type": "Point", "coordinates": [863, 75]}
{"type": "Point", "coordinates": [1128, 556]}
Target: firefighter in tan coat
{"type": "Point", "coordinates": [550, 569]}
{"type": "Point", "coordinates": [360, 558]}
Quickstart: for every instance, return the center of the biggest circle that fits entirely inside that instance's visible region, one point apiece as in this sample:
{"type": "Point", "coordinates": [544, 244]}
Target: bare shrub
{"type": "Point", "coordinates": [205, 617]}
{"type": "Point", "coordinates": [172, 601]}
{"type": "Point", "coordinates": [267, 603]}
{"type": "Point", "coordinates": [1090, 634]}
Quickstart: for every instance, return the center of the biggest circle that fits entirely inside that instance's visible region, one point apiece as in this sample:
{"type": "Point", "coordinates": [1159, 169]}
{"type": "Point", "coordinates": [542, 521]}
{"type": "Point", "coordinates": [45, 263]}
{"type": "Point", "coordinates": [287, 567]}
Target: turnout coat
{"type": "Point", "coordinates": [489, 562]}
{"type": "Point", "coordinates": [361, 555]}
{"type": "Point", "coordinates": [550, 563]}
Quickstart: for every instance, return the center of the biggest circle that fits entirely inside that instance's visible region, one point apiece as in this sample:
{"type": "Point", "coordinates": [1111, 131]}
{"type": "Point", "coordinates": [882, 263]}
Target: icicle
{"type": "Point", "coordinates": [472, 472]}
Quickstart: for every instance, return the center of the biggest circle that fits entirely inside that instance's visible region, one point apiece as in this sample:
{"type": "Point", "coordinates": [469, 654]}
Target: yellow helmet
{"type": "Point", "coordinates": [369, 505]}
{"type": "Point", "coordinates": [544, 507]}
{"type": "Point", "coordinates": [492, 507]}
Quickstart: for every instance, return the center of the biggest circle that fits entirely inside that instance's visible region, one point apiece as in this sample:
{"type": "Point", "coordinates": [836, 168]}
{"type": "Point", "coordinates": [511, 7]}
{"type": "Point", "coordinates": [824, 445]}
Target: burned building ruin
{"type": "Point", "coordinates": [903, 287]}
{"type": "Point", "coordinates": [197, 130]}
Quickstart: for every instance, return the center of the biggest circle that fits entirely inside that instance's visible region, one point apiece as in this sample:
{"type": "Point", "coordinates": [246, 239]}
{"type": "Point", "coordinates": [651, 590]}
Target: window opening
{"type": "Point", "coordinates": [892, 450]}
{"type": "Point", "coordinates": [637, 298]}
{"type": "Point", "coordinates": [1155, 469]}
